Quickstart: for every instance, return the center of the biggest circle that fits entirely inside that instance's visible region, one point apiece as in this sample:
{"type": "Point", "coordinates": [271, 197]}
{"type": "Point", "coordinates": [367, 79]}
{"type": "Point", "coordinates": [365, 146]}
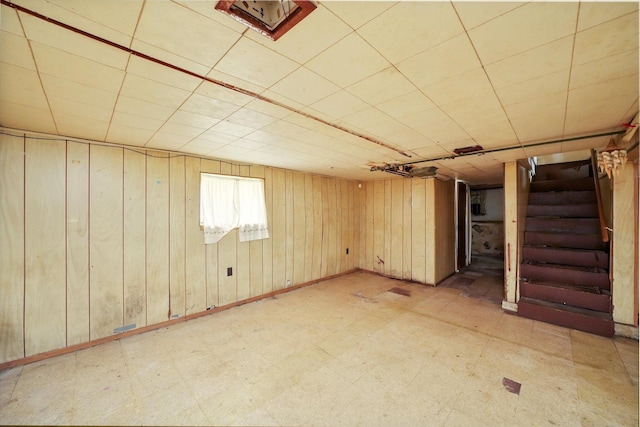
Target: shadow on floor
{"type": "Point", "coordinates": [482, 279]}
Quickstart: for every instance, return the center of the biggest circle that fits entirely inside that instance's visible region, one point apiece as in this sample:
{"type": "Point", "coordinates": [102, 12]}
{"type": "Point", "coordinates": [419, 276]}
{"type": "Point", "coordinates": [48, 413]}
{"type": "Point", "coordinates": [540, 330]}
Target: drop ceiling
{"type": "Point", "coordinates": [353, 84]}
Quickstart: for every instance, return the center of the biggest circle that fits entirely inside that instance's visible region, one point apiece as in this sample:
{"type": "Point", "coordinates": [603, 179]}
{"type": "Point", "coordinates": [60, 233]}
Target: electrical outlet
{"type": "Point", "coordinates": [288, 282]}
{"type": "Point", "coordinates": [347, 251]}
{"type": "Point", "coordinates": [229, 271]}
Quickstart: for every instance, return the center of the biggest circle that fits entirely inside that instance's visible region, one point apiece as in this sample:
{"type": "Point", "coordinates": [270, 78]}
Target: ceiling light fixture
{"type": "Point", "coordinates": [611, 159]}
{"type": "Point", "coordinates": [270, 18]}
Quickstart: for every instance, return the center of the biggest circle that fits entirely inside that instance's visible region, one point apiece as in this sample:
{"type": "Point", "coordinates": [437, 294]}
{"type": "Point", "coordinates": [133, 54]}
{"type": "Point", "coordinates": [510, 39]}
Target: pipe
{"type": "Point", "coordinates": [193, 74]}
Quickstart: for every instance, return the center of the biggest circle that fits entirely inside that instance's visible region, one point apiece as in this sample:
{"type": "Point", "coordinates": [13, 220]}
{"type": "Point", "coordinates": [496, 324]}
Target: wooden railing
{"type": "Point", "coordinates": [596, 182]}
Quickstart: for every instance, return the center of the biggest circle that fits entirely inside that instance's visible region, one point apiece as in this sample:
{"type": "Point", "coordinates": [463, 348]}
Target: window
{"type": "Point", "coordinates": [227, 202]}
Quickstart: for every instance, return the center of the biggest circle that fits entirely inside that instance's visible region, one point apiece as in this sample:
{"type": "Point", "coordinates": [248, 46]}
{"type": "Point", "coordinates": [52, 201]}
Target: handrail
{"type": "Point", "coordinates": [596, 182]}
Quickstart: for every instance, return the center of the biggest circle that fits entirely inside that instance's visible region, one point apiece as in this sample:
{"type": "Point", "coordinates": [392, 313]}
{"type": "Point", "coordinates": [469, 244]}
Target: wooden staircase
{"type": "Point", "coordinates": [564, 276]}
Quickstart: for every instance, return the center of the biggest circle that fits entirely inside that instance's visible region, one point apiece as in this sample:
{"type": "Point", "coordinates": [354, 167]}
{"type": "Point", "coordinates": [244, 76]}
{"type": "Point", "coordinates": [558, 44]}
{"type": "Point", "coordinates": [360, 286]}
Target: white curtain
{"type": "Point", "coordinates": [230, 202]}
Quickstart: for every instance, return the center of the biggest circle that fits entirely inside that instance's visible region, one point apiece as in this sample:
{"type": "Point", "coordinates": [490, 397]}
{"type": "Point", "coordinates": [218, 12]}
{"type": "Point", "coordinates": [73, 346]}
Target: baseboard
{"type": "Point", "coordinates": [628, 331]}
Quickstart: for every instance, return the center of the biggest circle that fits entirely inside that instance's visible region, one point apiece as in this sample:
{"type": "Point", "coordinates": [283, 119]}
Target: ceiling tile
{"type": "Point", "coordinates": [199, 121]}
{"type": "Point", "coordinates": [232, 129]}
{"type": "Point", "coordinates": [534, 88]}
{"type": "Point", "coordinates": [129, 120]}
{"type": "Point", "coordinates": [221, 93]}
{"type": "Point", "coordinates": [383, 86]}
{"type": "Point", "coordinates": [473, 83]}
{"type": "Point", "coordinates": [62, 106]}
{"type": "Point", "coordinates": [596, 13]}
{"type": "Point", "coordinates": [75, 68]}
{"type": "Point", "coordinates": [408, 28]}
{"type": "Point", "coordinates": [474, 13]}
{"type": "Point", "coordinates": [161, 74]}
{"type": "Point", "coordinates": [208, 10]}
{"type": "Point", "coordinates": [268, 108]}
{"type": "Point", "coordinates": [214, 137]}
{"type": "Point", "coordinates": [406, 105]}
{"type": "Point", "coordinates": [212, 107]}
{"type": "Point", "coordinates": [304, 86]}
{"type": "Point", "coordinates": [301, 43]}
{"type": "Point", "coordinates": [247, 60]}
{"type": "Point", "coordinates": [58, 88]}
{"type": "Point", "coordinates": [624, 86]}
{"type": "Point", "coordinates": [348, 61]}
{"type": "Point", "coordinates": [524, 28]}
{"type": "Point", "coordinates": [284, 128]}
{"type": "Point", "coordinates": [15, 50]}
{"type": "Point", "coordinates": [606, 39]}
{"type": "Point", "coordinates": [436, 125]}
{"type": "Point", "coordinates": [10, 23]}
{"type": "Point", "coordinates": [533, 63]}
{"type": "Point", "coordinates": [339, 104]}
{"type": "Point", "coordinates": [51, 35]}
{"type": "Point", "coordinates": [81, 127]}
{"type": "Point", "coordinates": [121, 134]}
{"type": "Point", "coordinates": [21, 86]}
{"type": "Point", "coordinates": [152, 91]}
{"type": "Point", "coordinates": [114, 20]}
{"type": "Point", "coordinates": [174, 128]}
{"type": "Point", "coordinates": [202, 40]}
{"type": "Point", "coordinates": [447, 60]}
{"type": "Point", "coordinates": [608, 68]}
{"type": "Point", "coordinates": [170, 58]}
{"type": "Point", "coordinates": [251, 118]}
{"type": "Point", "coordinates": [366, 118]}
{"type": "Point", "coordinates": [353, 12]}
{"type": "Point", "coordinates": [22, 116]}
{"type": "Point", "coordinates": [167, 141]}
{"type": "Point", "coordinates": [138, 107]}
{"type": "Point", "coordinates": [540, 119]}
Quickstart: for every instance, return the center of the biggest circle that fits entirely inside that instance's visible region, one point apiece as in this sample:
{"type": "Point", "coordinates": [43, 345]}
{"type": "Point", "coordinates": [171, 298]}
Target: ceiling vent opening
{"type": "Point", "coordinates": [270, 18]}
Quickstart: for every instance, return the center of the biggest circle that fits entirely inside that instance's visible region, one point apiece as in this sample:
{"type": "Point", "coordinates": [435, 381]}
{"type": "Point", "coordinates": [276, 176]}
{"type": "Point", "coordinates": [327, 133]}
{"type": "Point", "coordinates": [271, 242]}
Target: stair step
{"type": "Point", "coordinates": [564, 211]}
{"type": "Point", "coordinates": [590, 298]}
{"type": "Point", "coordinates": [570, 225]}
{"type": "Point", "coordinates": [581, 319]}
{"type": "Point", "coordinates": [570, 275]}
{"type": "Point", "coordinates": [574, 184]}
{"type": "Point", "coordinates": [577, 257]}
{"type": "Point", "coordinates": [562, 198]}
{"type": "Point", "coordinates": [564, 240]}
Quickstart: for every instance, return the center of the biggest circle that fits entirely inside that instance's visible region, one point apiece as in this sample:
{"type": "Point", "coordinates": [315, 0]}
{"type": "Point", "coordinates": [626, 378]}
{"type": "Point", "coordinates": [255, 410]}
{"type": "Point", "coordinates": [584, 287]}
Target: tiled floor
{"type": "Point", "coordinates": [342, 352]}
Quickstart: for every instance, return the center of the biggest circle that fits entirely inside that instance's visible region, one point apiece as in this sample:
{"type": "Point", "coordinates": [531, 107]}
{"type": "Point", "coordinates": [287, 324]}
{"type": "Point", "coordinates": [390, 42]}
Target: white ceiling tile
{"type": "Point", "coordinates": [534, 88]}
{"type": "Point", "coordinates": [284, 128]}
{"type": "Point", "coordinates": [230, 81]}
{"type": "Point", "coordinates": [200, 147]}
{"type": "Point", "coordinates": [281, 99]}
{"type": "Point", "coordinates": [474, 13]}
{"type": "Point", "coordinates": [354, 13]}
{"type": "Point", "coordinates": [75, 68]}
{"type": "Point", "coordinates": [538, 119]}
{"type": "Point", "coordinates": [596, 13]}
{"type": "Point", "coordinates": [248, 144]}
{"type": "Point", "coordinates": [473, 83]}
{"type": "Point", "coordinates": [606, 39]}
{"type": "Point", "coordinates": [268, 108]}
{"type": "Point", "coordinates": [114, 20]}
{"type": "Point", "coordinates": [247, 60]}
{"type": "Point", "coordinates": [624, 86]}
{"type": "Point", "coordinates": [436, 125]}
{"type": "Point", "coordinates": [151, 91]}
{"type": "Point", "coordinates": [262, 137]}
{"type": "Point", "coordinates": [444, 61]}
{"type": "Point", "coordinates": [217, 138]}
{"type": "Point", "coordinates": [170, 58]}
{"type": "Point", "coordinates": [304, 86]}
{"type": "Point", "coordinates": [408, 28]}
{"type": "Point", "coordinates": [221, 93]}
{"type": "Point", "coordinates": [51, 35]}
{"type": "Point", "coordinates": [15, 51]}
{"type": "Point", "coordinates": [62, 106]}
{"type": "Point", "coordinates": [81, 126]}
{"type": "Point", "coordinates": [174, 128]}
{"type": "Point", "coordinates": [21, 116]}
{"type": "Point", "coordinates": [383, 86]}
{"type": "Point", "coordinates": [211, 107]}
{"type": "Point", "coordinates": [233, 129]}
{"type": "Point", "coordinates": [205, 8]}
{"type": "Point", "coordinates": [540, 61]}
{"type": "Point", "coordinates": [366, 118]}
{"type": "Point", "coordinates": [430, 151]}
{"type": "Point", "coordinates": [608, 68]}
{"type": "Point", "coordinates": [339, 104]}
{"type": "Point", "coordinates": [22, 86]}
{"type": "Point", "coordinates": [161, 74]}
{"type": "Point", "coordinates": [348, 61]}
{"type": "Point", "coordinates": [202, 40]}
{"type": "Point", "coordinates": [127, 135]}
{"type": "Point", "coordinates": [138, 107]}
{"type": "Point", "coordinates": [301, 43]}
{"type": "Point", "coordinates": [58, 88]}
{"type": "Point", "coordinates": [193, 120]}
{"type": "Point", "coordinates": [406, 105]}
{"type": "Point", "coordinates": [10, 23]}
{"type": "Point", "coordinates": [251, 118]}
{"type": "Point", "coordinates": [167, 141]}
{"type": "Point", "coordinates": [524, 28]}
{"type": "Point", "coordinates": [129, 120]}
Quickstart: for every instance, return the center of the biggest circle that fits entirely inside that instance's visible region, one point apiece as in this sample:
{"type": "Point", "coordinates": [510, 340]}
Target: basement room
{"type": "Point", "coordinates": [319, 213]}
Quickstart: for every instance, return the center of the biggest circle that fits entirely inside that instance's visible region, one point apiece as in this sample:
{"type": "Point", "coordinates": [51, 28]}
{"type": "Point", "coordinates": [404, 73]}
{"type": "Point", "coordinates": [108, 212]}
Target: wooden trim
{"type": "Point", "coordinates": [305, 8]}
{"type": "Point", "coordinates": [596, 182]}
{"type": "Point", "coordinates": [93, 343]}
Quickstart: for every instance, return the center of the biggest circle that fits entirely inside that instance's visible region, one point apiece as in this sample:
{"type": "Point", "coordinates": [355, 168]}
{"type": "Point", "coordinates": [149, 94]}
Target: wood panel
{"type": "Point", "coordinates": [326, 228]}
{"type": "Point", "coordinates": [135, 236]}
{"type": "Point", "coordinates": [369, 226]}
{"type": "Point", "coordinates": [12, 158]}
{"type": "Point", "coordinates": [77, 218]}
{"type": "Point", "coordinates": [430, 232]}
{"type": "Point", "coordinates": [407, 237]}
{"type": "Point", "coordinates": [360, 196]}
{"type": "Point", "coordinates": [397, 226]}
{"type": "Point", "coordinates": [157, 237]}
{"type": "Point", "coordinates": [195, 256]}
{"type": "Point", "coordinates": [445, 229]}
{"type": "Point", "coordinates": [289, 222]}
{"type": "Point", "coordinates": [177, 260]}
{"type": "Point", "coordinates": [299, 227]}
{"type": "Point", "coordinates": [105, 240]}
{"type": "Point", "coordinates": [318, 224]}
{"type": "Point", "coordinates": [211, 250]}
{"type": "Point", "coordinates": [309, 227]}
{"type": "Point", "coordinates": [388, 227]}
{"type": "Point", "coordinates": [227, 256]}
{"type": "Point", "coordinates": [418, 230]}
{"type": "Point", "coordinates": [279, 229]}
{"type": "Point", "coordinates": [267, 244]}
{"type": "Point", "coordinates": [256, 274]}
{"type": "Point", "coordinates": [345, 213]}
{"type": "Point", "coordinates": [243, 262]}
{"type": "Point", "coordinates": [379, 229]}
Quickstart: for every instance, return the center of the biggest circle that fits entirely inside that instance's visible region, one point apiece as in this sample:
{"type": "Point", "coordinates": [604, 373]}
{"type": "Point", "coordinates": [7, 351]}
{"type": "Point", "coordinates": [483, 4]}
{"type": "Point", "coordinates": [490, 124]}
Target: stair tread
{"type": "Point", "coordinates": [577, 288]}
{"type": "Point", "coordinates": [567, 267]}
{"type": "Point", "coordinates": [567, 308]}
{"type": "Point", "coordinates": [574, 250]}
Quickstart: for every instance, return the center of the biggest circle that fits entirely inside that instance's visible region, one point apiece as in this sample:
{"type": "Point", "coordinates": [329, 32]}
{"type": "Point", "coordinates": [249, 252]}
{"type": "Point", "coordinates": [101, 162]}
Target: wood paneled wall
{"type": "Point", "coordinates": [407, 228]}
{"type": "Point", "coordinates": [95, 238]}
